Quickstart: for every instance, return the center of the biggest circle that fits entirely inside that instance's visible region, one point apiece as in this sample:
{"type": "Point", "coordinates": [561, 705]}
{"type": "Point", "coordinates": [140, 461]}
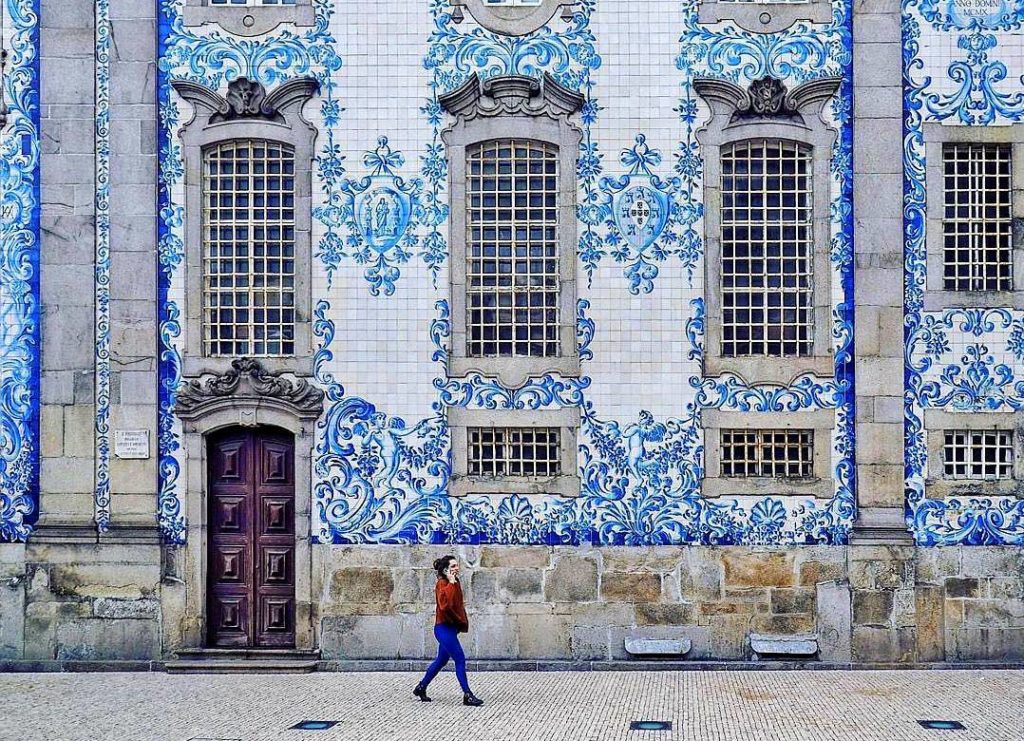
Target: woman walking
{"type": "Point", "coordinates": [449, 620]}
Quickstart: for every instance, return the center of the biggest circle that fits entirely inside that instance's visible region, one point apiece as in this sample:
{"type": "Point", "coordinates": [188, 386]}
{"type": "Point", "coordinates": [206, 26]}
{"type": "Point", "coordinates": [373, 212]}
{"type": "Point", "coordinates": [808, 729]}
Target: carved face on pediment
{"type": "Point", "coordinates": [511, 17]}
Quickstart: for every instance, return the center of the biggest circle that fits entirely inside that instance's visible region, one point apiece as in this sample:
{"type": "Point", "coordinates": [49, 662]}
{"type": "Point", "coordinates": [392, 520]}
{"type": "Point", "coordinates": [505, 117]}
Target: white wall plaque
{"type": "Point", "coordinates": [131, 444]}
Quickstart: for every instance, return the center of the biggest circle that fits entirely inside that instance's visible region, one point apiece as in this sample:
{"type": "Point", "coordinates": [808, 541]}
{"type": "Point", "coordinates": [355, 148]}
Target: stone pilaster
{"type": "Point", "coordinates": [878, 277]}
{"type": "Point", "coordinates": [133, 290]}
{"type": "Point", "coordinates": [66, 284]}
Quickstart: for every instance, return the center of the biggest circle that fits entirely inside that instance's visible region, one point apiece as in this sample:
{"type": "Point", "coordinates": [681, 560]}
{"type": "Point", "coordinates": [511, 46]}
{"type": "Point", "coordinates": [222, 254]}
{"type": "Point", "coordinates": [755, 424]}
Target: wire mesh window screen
{"type": "Point", "coordinates": [249, 249]}
{"type": "Point", "coordinates": [767, 244]}
{"type": "Point", "coordinates": [977, 222]}
{"type": "Point", "coordinates": [512, 270]}
{"type": "Point", "coordinates": [768, 453]}
{"type": "Point", "coordinates": [978, 454]}
{"type": "Point", "coordinates": [514, 451]}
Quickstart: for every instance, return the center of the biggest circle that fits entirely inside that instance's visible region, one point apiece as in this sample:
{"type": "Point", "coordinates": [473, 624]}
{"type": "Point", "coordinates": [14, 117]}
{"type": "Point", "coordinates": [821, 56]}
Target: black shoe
{"type": "Point", "coordinates": [470, 699]}
{"type": "Point", "coordinates": [421, 692]}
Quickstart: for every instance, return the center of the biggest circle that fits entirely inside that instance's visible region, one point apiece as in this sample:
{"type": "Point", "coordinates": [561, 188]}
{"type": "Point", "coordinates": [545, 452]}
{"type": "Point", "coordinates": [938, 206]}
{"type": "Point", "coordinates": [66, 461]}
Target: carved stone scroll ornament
{"type": "Point", "coordinates": [767, 97]}
{"type": "Point", "coordinates": [248, 381]}
{"type": "Point", "coordinates": [511, 95]}
{"type": "Point", "coordinates": [512, 19]}
{"type": "Point", "coordinates": [248, 99]}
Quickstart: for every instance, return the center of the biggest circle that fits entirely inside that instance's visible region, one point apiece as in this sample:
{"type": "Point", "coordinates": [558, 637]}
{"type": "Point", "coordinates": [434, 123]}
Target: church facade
{"type": "Point", "coordinates": [694, 327]}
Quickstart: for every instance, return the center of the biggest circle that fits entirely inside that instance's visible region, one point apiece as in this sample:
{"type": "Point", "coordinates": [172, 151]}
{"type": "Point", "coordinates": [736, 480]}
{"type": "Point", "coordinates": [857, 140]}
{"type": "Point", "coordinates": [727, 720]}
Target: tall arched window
{"type": "Point", "coordinates": [512, 271]}
{"type": "Point", "coordinates": [249, 249]}
{"type": "Point", "coordinates": [767, 244]}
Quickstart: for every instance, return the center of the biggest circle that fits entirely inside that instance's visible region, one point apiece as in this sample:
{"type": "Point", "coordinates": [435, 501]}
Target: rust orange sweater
{"type": "Point", "coordinates": [451, 609]}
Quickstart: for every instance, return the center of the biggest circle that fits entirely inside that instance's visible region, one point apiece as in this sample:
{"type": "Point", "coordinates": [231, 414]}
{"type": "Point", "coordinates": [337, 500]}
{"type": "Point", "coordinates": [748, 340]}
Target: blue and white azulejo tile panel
{"type": "Point", "coordinates": [382, 462]}
{"type": "Point", "coordinates": [963, 63]}
{"type": "Point", "coordinates": [19, 276]}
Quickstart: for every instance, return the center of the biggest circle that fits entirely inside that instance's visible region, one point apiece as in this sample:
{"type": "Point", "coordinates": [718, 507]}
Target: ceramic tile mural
{"type": "Point", "coordinates": [962, 62]}
{"type": "Point", "coordinates": [382, 462]}
{"type": "Point", "coordinates": [19, 276]}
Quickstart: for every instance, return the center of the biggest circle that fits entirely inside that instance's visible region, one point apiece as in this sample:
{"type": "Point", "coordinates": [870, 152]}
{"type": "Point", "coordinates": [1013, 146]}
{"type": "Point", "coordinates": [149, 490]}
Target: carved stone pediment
{"type": "Point", "coordinates": [248, 383]}
{"type": "Point", "coordinates": [767, 97]}
{"type": "Point", "coordinates": [511, 95]}
{"type": "Point", "coordinates": [248, 99]}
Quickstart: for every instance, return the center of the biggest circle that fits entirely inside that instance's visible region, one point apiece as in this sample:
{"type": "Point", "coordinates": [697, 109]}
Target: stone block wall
{"type": "Point", "coordinates": [867, 604]}
{"type": "Point", "coordinates": [95, 603]}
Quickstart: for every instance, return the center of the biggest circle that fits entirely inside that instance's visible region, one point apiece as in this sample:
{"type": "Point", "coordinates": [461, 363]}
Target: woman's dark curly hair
{"type": "Point", "coordinates": [441, 564]}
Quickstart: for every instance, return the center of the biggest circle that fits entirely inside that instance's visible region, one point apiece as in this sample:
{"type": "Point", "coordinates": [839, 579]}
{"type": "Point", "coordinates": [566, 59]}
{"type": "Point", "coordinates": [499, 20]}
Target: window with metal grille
{"type": "Point", "coordinates": [514, 451]}
{"type": "Point", "coordinates": [512, 272]}
{"type": "Point", "coordinates": [249, 248]}
{"type": "Point", "coordinates": [775, 454]}
{"type": "Point", "coordinates": [767, 249]}
{"type": "Point", "coordinates": [512, 3]}
{"type": "Point", "coordinates": [978, 454]}
{"type": "Point", "coordinates": [977, 219]}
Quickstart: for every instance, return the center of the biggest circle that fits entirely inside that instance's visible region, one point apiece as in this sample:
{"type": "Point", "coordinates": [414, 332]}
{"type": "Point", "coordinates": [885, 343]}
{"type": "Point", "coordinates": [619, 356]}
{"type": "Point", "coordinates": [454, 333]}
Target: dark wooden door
{"type": "Point", "coordinates": [251, 575]}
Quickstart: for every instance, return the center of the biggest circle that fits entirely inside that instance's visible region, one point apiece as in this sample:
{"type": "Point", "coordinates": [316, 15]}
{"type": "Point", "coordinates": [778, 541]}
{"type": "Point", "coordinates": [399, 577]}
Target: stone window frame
{"type": "Point", "coordinates": [566, 420]}
{"type": "Point", "coordinates": [936, 135]}
{"type": "Point", "coordinates": [513, 107]}
{"type": "Point", "coordinates": [246, 395]}
{"type": "Point", "coordinates": [820, 485]}
{"type": "Point", "coordinates": [764, 17]}
{"type": "Point", "coordinates": [512, 21]}
{"type": "Point", "coordinates": [249, 20]}
{"type": "Point", "coordinates": [937, 486]}
{"type": "Point", "coordinates": [768, 111]}
{"type": "Point", "coordinates": [278, 117]}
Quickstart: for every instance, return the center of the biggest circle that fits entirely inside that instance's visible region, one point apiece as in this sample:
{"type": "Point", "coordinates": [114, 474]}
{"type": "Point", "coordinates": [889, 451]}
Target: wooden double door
{"type": "Point", "coordinates": [251, 541]}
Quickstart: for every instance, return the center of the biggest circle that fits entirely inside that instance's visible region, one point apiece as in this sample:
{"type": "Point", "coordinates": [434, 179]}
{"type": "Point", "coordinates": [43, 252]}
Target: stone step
{"type": "Point", "coordinates": [248, 653]}
{"type": "Point", "coordinates": [240, 666]}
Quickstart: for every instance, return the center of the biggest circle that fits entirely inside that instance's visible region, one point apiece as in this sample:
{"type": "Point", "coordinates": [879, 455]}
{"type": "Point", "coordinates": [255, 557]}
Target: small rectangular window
{"type": "Point", "coordinates": [767, 243]}
{"type": "Point", "coordinates": [512, 271]}
{"type": "Point", "coordinates": [977, 222]}
{"type": "Point", "coordinates": [978, 454]}
{"type": "Point", "coordinates": [514, 451]}
{"type": "Point", "coordinates": [777, 454]}
{"type": "Point", "coordinates": [512, 3]}
{"type": "Point", "coordinates": [249, 249]}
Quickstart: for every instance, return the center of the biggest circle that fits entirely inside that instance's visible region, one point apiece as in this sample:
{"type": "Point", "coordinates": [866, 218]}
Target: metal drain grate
{"type": "Point", "coordinates": [942, 725]}
{"type": "Point", "coordinates": [650, 725]}
{"type": "Point", "coordinates": [314, 725]}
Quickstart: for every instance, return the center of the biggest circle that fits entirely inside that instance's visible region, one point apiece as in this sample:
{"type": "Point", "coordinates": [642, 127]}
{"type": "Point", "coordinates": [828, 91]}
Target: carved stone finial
{"type": "Point", "coordinates": [767, 97]}
{"type": "Point", "coordinates": [248, 380]}
{"type": "Point", "coordinates": [248, 99]}
{"type": "Point", "coordinates": [511, 95]}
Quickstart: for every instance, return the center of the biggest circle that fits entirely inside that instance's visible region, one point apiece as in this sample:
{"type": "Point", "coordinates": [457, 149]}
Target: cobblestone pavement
{"type": "Point", "coordinates": [751, 706]}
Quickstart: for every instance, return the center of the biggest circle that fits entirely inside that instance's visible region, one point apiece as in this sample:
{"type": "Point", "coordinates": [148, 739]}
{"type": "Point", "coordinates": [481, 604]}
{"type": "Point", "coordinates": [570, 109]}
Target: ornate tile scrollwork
{"type": "Point", "coordinates": [961, 360]}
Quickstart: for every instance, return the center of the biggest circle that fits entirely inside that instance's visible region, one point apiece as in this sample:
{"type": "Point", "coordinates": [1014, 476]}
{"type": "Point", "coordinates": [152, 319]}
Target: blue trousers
{"type": "Point", "coordinates": [448, 647]}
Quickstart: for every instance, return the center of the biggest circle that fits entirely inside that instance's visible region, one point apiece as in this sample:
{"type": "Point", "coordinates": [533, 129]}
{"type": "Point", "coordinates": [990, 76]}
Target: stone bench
{"type": "Point", "coordinates": [656, 647]}
{"type": "Point", "coordinates": [800, 646]}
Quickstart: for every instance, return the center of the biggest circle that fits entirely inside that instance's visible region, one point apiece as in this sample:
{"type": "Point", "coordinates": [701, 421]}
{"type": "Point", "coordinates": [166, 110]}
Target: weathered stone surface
{"type": "Point", "coordinates": [616, 587]}
{"type": "Point", "coordinates": [106, 607]}
{"type": "Point", "coordinates": [805, 644]}
{"type": "Point", "coordinates": [639, 646]}
{"type": "Point", "coordinates": [872, 608]}
{"type": "Point", "coordinates": [492, 636]}
{"type": "Point", "coordinates": [772, 569]}
{"type": "Point", "coordinates": [98, 639]}
{"type": "Point", "coordinates": [792, 600]}
{"type": "Point", "coordinates": [544, 637]}
{"type": "Point", "coordinates": [361, 587]}
{"type": "Point", "coordinates": [782, 624]}
{"type": "Point", "coordinates": [572, 580]}
{"type": "Point", "coordinates": [834, 621]}
{"type": "Point", "coordinates": [590, 643]}
{"type": "Point", "coordinates": [931, 644]}
{"type": "Point", "coordinates": [532, 557]}
{"type": "Point", "coordinates": [665, 614]}
{"type": "Point", "coordinates": [961, 587]}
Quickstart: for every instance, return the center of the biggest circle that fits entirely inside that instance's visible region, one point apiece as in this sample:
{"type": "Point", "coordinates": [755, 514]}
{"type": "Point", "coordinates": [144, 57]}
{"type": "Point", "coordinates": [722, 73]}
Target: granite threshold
{"type": "Point", "coordinates": [525, 665]}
